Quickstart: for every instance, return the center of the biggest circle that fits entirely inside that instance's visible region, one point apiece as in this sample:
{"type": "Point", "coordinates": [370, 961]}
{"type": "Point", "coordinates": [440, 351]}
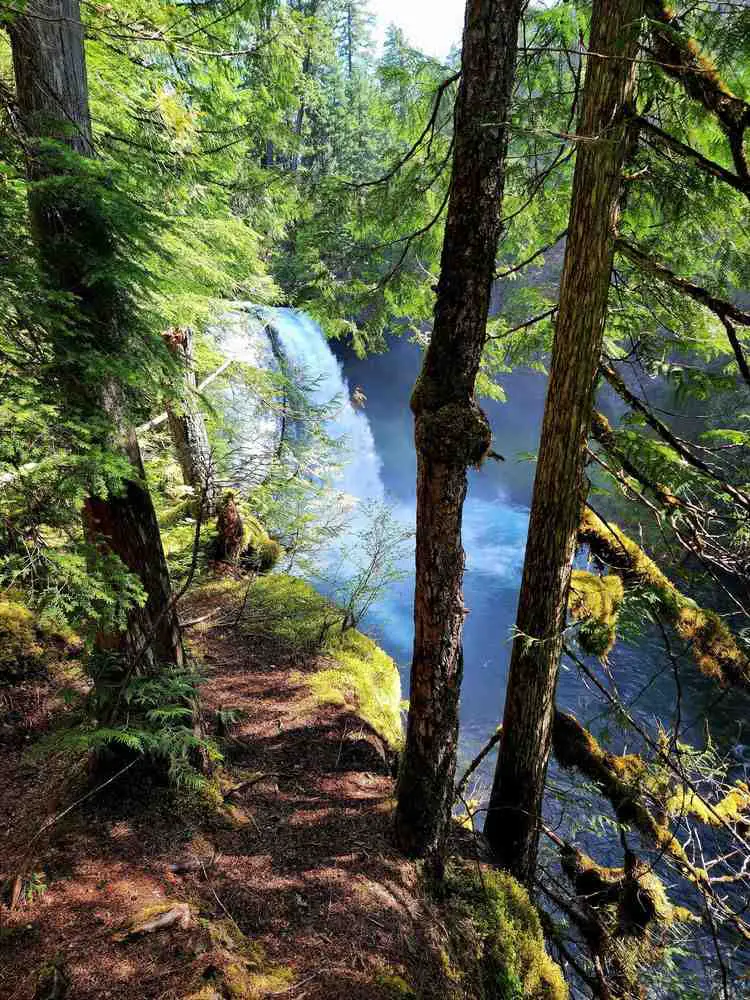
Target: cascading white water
{"type": "Point", "coordinates": [308, 353]}
{"type": "Point", "coordinates": [243, 333]}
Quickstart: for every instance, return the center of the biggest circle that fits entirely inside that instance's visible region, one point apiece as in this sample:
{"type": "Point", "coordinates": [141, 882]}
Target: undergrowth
{"type": "Point", "coordinates": [158, 726]}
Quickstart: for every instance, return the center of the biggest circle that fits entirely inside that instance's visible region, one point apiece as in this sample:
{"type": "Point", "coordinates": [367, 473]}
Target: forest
{"type": "Point", "coordinates": [374, 502]}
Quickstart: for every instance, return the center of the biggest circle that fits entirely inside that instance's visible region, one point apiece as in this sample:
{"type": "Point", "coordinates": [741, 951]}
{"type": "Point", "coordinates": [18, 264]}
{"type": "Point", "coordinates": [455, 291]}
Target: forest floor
{"type": "Point", "coordinates": [292, 885]}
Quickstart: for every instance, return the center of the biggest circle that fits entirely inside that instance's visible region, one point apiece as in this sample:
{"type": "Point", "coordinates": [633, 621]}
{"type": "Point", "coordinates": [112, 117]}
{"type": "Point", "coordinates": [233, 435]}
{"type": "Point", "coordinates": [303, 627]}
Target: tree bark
{"type": "Point", "coordinates": [126, 525]}
{"type": "Point", "coordinates": [451, 432]}
{"type": "Point", "coordinates": [188, 427]}
{"type": "Point", "coordinates": [230, 532]}
{"type": "Point", "coordinates": [77, 251]}
{"type": "Point", "coordinates": [516, 800]}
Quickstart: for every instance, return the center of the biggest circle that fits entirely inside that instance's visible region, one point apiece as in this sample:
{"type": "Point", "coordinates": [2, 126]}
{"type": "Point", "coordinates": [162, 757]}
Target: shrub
{"type": "Point", "coordinates": [20, 651]}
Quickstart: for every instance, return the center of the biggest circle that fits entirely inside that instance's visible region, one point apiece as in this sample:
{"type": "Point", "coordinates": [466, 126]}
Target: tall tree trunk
{"type": "Point", "coordinates": [299, 118]}
{"type": "Point", "coordinates": [515, 804]}
{"type": "Point", "coordinates": [77, 252]}
{"type": "Point", "coordinates": [451, 432]}
{"type": "Point", "coordinates": [126, 525]}
{"type": "Point", "coordinates": [187, 425]}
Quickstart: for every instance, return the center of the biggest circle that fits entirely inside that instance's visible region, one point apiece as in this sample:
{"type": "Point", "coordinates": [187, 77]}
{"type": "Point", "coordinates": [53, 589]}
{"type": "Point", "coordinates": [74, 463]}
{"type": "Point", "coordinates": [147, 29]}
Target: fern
{"type": "Point", "coordinates": [158, 728]}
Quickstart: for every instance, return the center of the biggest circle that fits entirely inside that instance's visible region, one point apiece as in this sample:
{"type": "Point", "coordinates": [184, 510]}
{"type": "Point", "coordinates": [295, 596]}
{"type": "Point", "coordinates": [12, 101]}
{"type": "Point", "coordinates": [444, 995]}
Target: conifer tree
{"type": "Point", "coordinates": [512, 825]}
{"type": "Point", "coordinates": [451, 432]}
{"type": "Point", "coordinates": [187, 425]}
{"type": "Point", "coordinates": [78, 252]}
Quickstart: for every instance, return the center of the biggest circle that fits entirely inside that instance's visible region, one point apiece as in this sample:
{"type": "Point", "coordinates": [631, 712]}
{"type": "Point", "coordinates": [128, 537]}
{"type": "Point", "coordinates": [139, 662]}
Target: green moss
{"type": "Point", "coordinates": [175, 510]}
{"type": "Point", "coordinates": [259, 551]}
{"type": "Point", "coordinates": [618, 777]}
{"type": "Point", "coordinates": [734, 807]}
{"type": "Point", "coordinates": [493, 920]}
{"type": "Point", "coordinates": [139, 922]}
{"type": "Point", "coordinates": [20, 650]}
{"type": "Point", "coordinates": [714, 648]}
{"type": "Point", "coordinates": [227, 935]}
{"type": "Point", "coordinates": [595, 601]}
{"type": "Point", "coordinates": [225, 588]}
{"type": "Point", "coordinates": [364, 678]}
{"type": "Point", "coordinates": [395, 987]}
{"type": "Point", "coordinates": [248, 984]}
{"type": "Point", "coordinates": [178, 512]}
{"type": "Point", "coordinates": [287, 612]}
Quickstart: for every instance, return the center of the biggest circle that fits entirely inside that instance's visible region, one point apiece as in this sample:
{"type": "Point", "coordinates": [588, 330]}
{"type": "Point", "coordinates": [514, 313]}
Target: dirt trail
{"type": "Point", "coordinates": [294, 886]}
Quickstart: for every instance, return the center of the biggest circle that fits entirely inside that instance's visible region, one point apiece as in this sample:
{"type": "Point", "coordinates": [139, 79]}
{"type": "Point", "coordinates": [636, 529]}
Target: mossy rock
{"type": "Point", "coordinates": [21, 653]}
{"type": "Point", "coordinates": [492, 919]}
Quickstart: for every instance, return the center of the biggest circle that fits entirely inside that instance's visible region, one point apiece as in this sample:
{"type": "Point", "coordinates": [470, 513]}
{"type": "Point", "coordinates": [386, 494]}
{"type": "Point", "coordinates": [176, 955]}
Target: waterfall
{"type": "Point", "coordinates": [348, 492]}
{"type": "Point", "coordinates": [243, 333]}
{"type": "Point", "coordinates": [309, 355]}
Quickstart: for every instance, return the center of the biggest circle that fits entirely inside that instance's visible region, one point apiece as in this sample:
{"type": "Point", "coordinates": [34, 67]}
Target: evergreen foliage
{"type": "Point", "coordinates": [263, 152]}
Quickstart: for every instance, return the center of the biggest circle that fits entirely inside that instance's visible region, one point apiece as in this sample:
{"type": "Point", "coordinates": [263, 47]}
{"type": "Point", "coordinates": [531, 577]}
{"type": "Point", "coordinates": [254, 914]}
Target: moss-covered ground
{"type": "Point", "coordinates": [284, 881]}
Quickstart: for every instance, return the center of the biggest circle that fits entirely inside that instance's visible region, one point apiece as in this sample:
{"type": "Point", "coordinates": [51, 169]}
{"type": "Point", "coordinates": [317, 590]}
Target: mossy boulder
{"type": "Point", "coordinates": [260, 552]}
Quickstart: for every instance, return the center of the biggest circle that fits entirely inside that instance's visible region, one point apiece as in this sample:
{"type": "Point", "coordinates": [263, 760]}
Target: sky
{"type": "Point", "coordinates": [431, 25]}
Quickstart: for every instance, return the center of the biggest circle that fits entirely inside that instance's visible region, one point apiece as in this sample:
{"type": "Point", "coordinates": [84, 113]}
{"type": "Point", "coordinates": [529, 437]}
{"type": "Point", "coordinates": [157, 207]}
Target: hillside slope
{"type": "Point", "coordinates": [284, 882]}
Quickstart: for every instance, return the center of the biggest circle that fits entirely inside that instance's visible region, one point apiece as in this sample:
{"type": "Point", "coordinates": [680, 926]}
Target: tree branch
{"type": "Point", "coordinates": [666, 434]}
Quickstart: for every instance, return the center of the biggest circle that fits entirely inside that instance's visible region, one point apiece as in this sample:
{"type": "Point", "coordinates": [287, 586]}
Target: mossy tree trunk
{"type": "Point", "coordinates": [515, 804]}
{"type": "Point", "coordinates": [187, 425]}
{"type": "Point", "coordinates": [451, 432]}
{"type": "Point", "coordinates": [77, 251]}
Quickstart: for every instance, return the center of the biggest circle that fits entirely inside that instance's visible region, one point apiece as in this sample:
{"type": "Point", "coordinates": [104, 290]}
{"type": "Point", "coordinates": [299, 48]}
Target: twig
{"type": "Point", "coordinates": [157, 421]}
{"type": "Point", "coordinates": [483, 753]}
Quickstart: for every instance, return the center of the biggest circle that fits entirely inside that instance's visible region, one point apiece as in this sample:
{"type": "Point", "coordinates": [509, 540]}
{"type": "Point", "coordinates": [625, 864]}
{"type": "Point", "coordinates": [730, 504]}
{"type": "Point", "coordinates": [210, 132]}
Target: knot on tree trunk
{"type": "Point", "coordinates": [454, 434]}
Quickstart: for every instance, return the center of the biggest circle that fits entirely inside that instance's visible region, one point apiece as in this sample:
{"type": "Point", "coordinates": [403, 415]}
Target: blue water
{"type": "Point", "coordinates": [382, 464]}
{"type": "Point", "coordinates": [495, 526]}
